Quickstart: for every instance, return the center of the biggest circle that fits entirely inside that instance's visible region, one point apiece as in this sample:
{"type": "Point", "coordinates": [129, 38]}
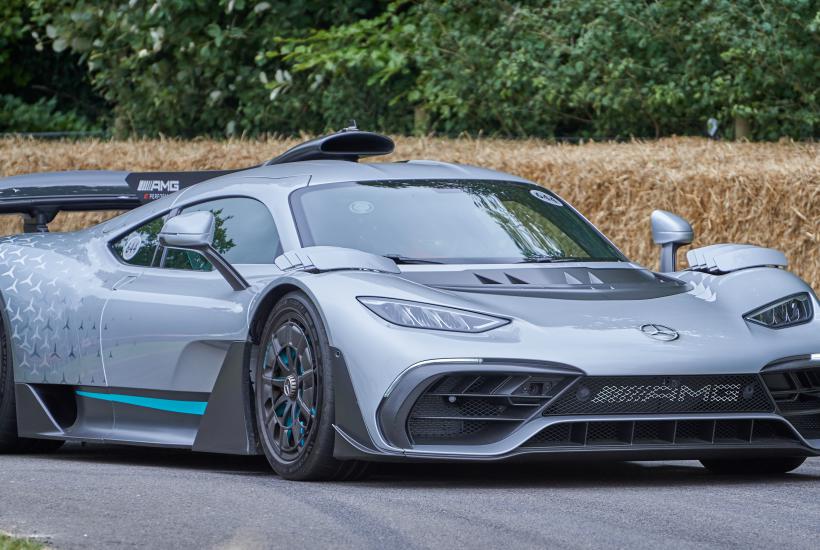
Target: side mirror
{"type": "Point", "coordinates": [670, 232]}
{"type": "Point", "coordinates": [195, 231]}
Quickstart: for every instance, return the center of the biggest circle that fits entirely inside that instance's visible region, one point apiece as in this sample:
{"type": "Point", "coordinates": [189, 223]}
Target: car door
{"type": "Point", "coordinates": [171, 320]}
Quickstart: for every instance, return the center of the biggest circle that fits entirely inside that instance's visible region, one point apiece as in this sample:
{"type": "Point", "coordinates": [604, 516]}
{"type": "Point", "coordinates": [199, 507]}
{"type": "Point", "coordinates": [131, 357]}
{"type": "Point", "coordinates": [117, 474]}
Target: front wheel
{"type": "Point", "coordinates": [754, 466]}
{"type": "Point", "coordinates": [294, 398]}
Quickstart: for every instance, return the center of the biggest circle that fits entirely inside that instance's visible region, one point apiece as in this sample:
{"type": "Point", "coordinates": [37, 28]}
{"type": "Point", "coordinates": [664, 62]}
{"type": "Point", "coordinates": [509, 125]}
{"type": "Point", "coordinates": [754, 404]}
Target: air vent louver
{"type": "Point", "coordinates": [486, 280]}
{"type": "Point", "coordinates": [515, 280]}
{"type": "Point", "coordinates": [663, 433]}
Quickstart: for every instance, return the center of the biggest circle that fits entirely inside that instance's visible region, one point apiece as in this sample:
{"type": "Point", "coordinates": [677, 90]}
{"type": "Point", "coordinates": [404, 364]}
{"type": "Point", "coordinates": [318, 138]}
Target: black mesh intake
{"type": "Point", "coordinates": [666, 433]}
{"type": "Point", "coordinates": [659, 394]}
{"type": "Point", "coordinates": [445, 428]}
{"type": "Point", "coordinates": [478, 408]}
{"type": "Point", "coordinates": [653, 433]}
{"type": "Point", "coordinates": [555, 435]}
{"type": "Point", "coordinates": [808, 425]}
{"type": "Point", "coordinates": [797, 395]}
{"type": "Point", "coordinates": [436, 406]}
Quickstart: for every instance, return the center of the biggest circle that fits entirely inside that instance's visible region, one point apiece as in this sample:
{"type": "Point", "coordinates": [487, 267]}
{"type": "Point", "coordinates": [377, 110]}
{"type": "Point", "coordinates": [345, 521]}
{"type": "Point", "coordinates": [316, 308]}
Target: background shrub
{"type": "Point", "coordinates": [40, 116]}
{"type": "Point", "coordinates": [579, 68]}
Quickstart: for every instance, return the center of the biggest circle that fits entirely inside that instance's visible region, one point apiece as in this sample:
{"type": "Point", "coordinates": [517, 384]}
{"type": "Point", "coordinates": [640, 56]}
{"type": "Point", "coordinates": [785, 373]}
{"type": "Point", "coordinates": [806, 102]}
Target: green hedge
{"type": "Point", "coordinates": [41, 116]}
{"type": "Point", "coordinates": [588, 67]}
{"type": "Point", "coordinates": [40, 89]}
{"type": "Point", "coordinates": [190, 67]}
{"type": "Point", "coordinates": [603, 68]}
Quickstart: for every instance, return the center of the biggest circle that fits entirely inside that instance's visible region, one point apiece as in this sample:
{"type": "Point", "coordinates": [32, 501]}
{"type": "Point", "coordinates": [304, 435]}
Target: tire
{"type": "Point", "coordinates": [294, 398]}
{"type": "Point", "coordinates": [9, 440]}
{"type": "Point", "coordinates": [754, 466]}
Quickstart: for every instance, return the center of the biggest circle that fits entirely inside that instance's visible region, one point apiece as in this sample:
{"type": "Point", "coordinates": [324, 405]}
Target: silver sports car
{"type": "Point", "coordinates": [329, 314]}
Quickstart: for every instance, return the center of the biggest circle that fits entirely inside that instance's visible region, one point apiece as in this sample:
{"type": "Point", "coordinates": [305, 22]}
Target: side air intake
{"type": "Point", "coordinates": [795, 386]}
{"type": "Point", "coordinates": [479, 408]}
{"type": "Point", "coordinates": [350, 144]}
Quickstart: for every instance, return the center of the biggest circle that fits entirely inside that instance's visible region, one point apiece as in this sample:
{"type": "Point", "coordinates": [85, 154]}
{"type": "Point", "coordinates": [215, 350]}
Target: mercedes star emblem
{"type": "Point", "coordinates": [659, 332]}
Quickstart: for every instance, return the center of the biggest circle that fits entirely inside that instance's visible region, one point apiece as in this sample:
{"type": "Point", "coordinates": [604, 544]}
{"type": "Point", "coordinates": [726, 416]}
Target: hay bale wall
{"type": "Point", "coordinates": [760, 193]}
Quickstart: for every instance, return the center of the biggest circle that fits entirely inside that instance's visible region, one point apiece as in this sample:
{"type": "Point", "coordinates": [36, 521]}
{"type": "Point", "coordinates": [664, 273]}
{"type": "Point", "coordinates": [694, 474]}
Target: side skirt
{"type": "Point", "coordinates": [219, 422]}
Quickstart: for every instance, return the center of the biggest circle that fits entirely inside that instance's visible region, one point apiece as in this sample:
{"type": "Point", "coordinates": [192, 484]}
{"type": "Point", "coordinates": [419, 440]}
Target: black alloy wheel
{"type": "Point", "coordinates": [293, 395]}
{"type": "Point", "coordinates": [289, 389]}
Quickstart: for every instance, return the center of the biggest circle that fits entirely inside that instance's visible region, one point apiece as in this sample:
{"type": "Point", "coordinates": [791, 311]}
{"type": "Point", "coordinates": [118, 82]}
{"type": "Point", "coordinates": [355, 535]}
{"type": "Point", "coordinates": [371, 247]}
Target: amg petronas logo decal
{"type": "Point", "coordinates": [710, 393]}
{"type": "Point", "coordinates": [161, 186]}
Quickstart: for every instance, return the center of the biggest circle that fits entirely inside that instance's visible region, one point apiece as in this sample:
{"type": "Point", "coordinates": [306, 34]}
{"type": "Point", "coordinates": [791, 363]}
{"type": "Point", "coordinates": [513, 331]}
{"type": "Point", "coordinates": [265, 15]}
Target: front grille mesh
{"type": "Point", "coordinates": [653, 432]}
{"type": "Point", "coordinates": [807, 425]}
{"type": "Point", "coordinates": [480, 408]}
{"type": "Point", "coordinates": [655, 394]}
{"type": "Point", "coordinates": [662, 432]}
{"type": "Point", "coordinates": [603, 433]}
{"type": "Point", "coordinates": [431, 405]}
{"type": "Point", "coordinates": [694, 431]}
{"type": "Point", "coordinates": [446, 428]}
{"type": "Point", "coordinates": [557, 434]}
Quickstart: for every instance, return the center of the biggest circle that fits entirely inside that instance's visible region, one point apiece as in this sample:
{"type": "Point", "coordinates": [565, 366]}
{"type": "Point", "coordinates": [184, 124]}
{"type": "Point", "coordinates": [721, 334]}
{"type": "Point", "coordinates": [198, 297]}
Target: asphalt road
{"type": "Point", "coordinates": [119, 497]}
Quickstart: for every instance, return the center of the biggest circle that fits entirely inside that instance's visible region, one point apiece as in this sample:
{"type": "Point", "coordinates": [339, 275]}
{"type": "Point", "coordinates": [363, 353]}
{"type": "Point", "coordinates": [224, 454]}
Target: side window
{"type": "Point", "coordinates": [245, 234]}
{"type": "Point", "coordinates": [139, 247]}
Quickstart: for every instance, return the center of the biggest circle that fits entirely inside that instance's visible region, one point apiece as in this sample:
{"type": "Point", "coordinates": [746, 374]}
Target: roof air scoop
{"type": "Point", "coordinates": [350, 144]}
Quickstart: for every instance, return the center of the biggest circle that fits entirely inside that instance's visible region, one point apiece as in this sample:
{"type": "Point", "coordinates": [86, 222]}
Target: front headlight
{"type": "Point", "coordinates": [419, 315]}
{"type": "Point", "coordinates": [794, 310]}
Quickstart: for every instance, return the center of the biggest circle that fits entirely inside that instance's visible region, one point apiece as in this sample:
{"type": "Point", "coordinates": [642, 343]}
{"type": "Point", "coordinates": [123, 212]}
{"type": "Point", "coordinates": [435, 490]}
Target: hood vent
{"type": "Point", "coordinates": [515, 280]}
{"type": "Point", "coordinates": [572, 283]}
{"type": "Point", "coordinates": [486, 280]}
{"type": "Point", "coordinates": [582, 277]}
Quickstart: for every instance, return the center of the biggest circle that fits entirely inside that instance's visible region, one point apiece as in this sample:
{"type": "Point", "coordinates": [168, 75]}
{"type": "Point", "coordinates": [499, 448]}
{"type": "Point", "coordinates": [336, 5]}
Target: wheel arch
{"type": "Point", "coordinates": [268, 298]}
{"type": "Point", "coordinates": [6, 328]}
{"type": "Point", "coordinates": [349, 419]}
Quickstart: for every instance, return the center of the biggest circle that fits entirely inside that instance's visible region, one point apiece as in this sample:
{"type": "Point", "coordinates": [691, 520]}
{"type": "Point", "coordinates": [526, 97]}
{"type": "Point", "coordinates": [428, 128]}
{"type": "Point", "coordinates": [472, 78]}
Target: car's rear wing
{"type": "Point", "coordinates": [39, 197]}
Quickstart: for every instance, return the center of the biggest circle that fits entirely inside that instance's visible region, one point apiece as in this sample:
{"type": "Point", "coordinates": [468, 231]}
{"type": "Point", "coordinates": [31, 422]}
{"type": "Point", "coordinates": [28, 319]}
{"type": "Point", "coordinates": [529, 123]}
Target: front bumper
{"type": "Point", "coordinates": [494, 410]}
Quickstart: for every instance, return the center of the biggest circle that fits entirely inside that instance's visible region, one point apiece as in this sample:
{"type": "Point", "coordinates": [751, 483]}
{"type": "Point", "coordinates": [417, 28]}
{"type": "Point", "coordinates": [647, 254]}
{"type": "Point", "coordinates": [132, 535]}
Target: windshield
{"type": "Point", "coordinates": [459, 221]}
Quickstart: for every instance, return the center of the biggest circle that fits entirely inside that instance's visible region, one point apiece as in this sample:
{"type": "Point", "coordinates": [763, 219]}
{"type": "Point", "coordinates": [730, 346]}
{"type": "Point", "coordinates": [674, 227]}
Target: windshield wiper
{"type": "Point", "coordinates": [560, 259]}
{"type": "Point", "coordinates": [399, 259]}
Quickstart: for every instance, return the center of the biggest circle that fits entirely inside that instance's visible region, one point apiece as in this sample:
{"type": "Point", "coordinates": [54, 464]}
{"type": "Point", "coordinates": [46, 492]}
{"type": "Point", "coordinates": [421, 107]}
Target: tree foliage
{"type": "Point", "coordinates": [187, 67]}
{"type": "Point", "coordinates": [588, 67]}
{"type": "Point", "coordinates": [39, 91]}
{"type": "Point", "coordinates": [600, 68]}
{"type": "Point", "coordinates": [42, 115]}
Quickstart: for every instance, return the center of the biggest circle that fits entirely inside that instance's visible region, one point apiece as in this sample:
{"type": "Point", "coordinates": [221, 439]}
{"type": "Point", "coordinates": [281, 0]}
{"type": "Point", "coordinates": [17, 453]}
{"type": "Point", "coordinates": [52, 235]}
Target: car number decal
{"type": "Point", "coordinates": [361, 207]}
{"type": "Point", "coordinates": [545, 197]}
{"type": "Point", "coordinates": [132, 247]}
